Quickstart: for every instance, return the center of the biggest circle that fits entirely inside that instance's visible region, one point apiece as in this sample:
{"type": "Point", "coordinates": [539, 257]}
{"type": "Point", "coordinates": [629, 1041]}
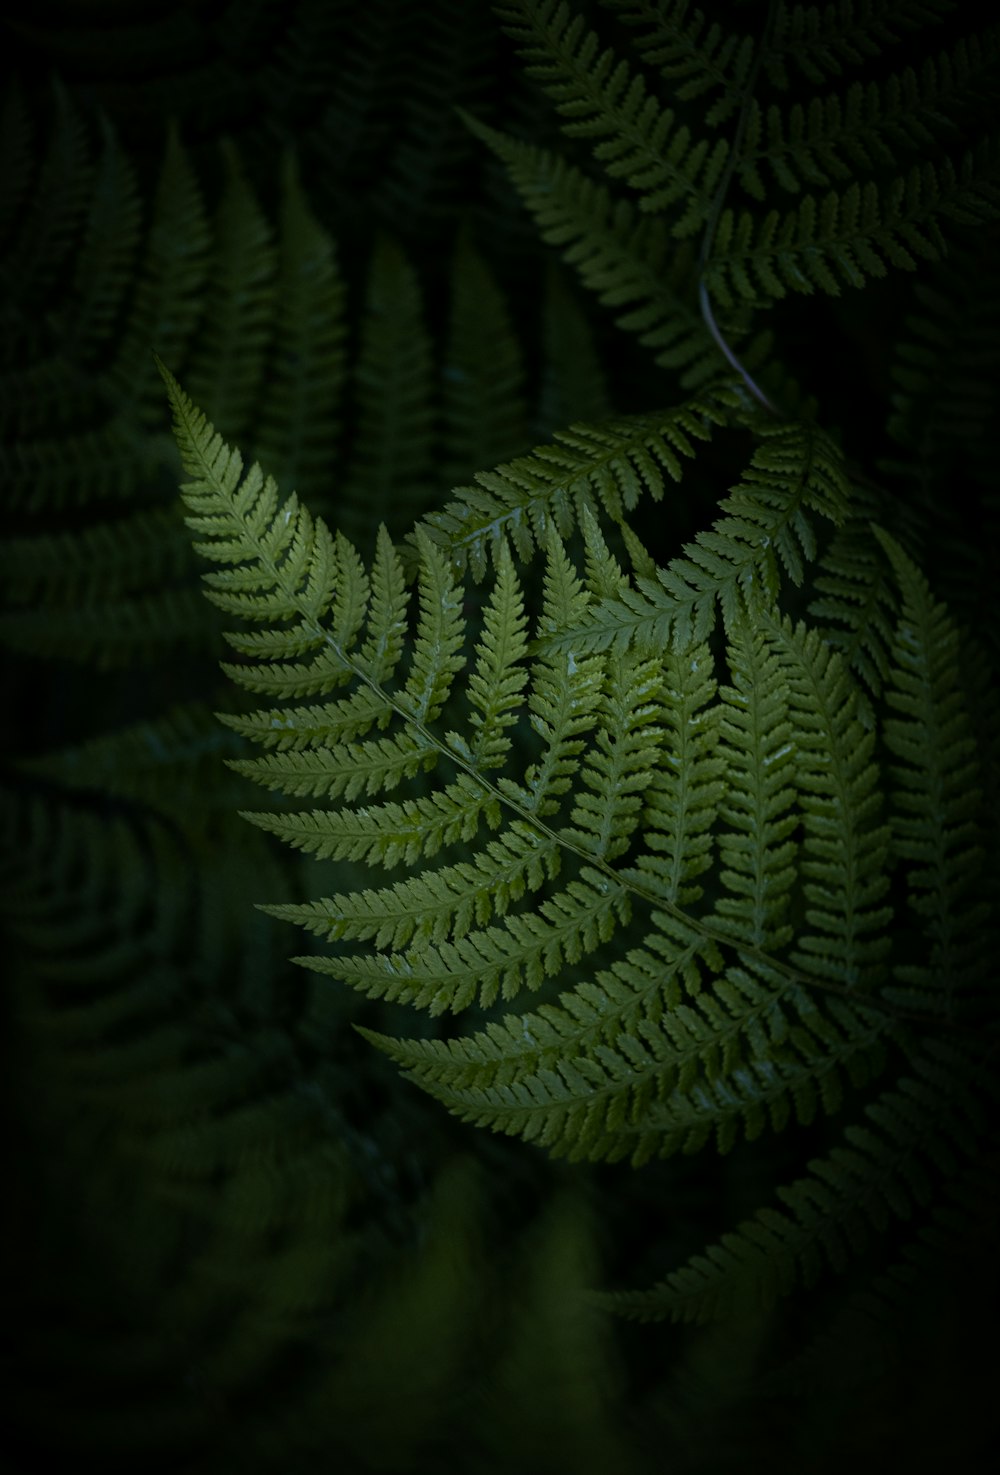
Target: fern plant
{"type": "Point", "coordinates": [700, 882]}
{"type": "Point", "coordinates": [633, 784]}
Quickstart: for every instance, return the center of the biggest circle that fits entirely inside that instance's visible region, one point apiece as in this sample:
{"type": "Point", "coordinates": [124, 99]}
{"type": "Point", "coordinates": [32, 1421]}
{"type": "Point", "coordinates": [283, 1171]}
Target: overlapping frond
{"type": "Point", "coordinates": [856, 604]}
{"type": "Point", "coordinates": [867, 128]}
{"type": "Point", "coordinates": [936, 799]}
{"type": "Point", "coordinates": [643, 1062]}
{"type": "Point", "coordinates": [483, 374]}
{"type": "Point", "coordinates": [393, 410]}
{"type": "Point", "coordinates": [847, 237]}
{"type": "Point", "coordinates": [823, 41]}
{"type": "Point", "coordinates": [695, 55]}
{"type": "Point", "coordinates": [917, 1131]}
{"type": "Point", "coordinates": [588, 468]}
{"type": "Point", "coordinates": [296, 430]}
{"type": "Point", "coordinates": [622, 256]}
{"type": "Point", "coordinates": [635, 767]}
{"type": "Point", "coordinates": [596, 92]}
{"type": "Point", "coordinates": [767, 531]}
{"type": "Point", "coordinates": [845, 846]}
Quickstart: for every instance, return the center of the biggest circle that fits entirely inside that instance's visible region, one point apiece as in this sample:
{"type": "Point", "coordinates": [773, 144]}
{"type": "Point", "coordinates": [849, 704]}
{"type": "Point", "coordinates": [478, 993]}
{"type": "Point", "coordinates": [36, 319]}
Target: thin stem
{"type": "Point", "coordinates": [713, 223]}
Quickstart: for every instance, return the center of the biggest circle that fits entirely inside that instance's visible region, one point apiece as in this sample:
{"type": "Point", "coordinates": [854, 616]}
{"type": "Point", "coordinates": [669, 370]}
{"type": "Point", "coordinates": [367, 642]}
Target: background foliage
{"type": "Point", "coordinates": [236, 1238]}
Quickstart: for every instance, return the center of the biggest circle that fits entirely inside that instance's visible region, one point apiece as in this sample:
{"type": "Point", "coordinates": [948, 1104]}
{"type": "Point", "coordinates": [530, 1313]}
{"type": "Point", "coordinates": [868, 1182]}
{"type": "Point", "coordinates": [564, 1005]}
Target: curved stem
{"type": "Point", "coordinates": [713, 222]}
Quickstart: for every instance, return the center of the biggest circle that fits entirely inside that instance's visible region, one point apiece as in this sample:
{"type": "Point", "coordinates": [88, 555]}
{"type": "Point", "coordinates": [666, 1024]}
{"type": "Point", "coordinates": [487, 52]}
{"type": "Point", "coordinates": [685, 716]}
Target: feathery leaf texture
{"type": "Point", "coordinates": [868, 127]}
{"type": "Point", "coordinates": [601, 99]}
{"type": "Point", "coordinates": [689, 882]}
{"type": "Point", "coordinates": [936, 795]}
{"type": "Point", "coordinates": [692, 878]}
{"type": "Point", "coordinates": [696, 61]}
{"type": "Point", "coordinates": [624, 257]}
{"type": "Point", "coordinates": [796, 473]}
{"type": "Point", "coordinates": [845, 238]}
{"type": "Point", "coordinates": [825, 41]}
{"type": "Point", "coordinates": [607, 466]}
{"type": "Point", "coordinates": [922, 1129]}
{"type": "Point", "coordinates": [636, 768]}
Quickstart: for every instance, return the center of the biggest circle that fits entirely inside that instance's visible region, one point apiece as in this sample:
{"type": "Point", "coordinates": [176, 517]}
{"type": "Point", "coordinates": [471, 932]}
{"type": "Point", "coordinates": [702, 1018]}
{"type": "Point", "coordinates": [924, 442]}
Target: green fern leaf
{"type": "Point", "coordinates": [389, 476]}
{"type": "Point", "coordinates": [766, 531]}
{"type": "Point", "coordinates": [483, 374]}
{"type": "Point", "coordinates": [696, 61]}
{"type": "Point", "coordinates": [621, 256]}
{"type": "Point", "coordinates": [602, 100]}
{"type": "Point", "coordinates": [830, 1215]}
{"type": "Point", "coordinates": [228, 365]}
{"type": "Point", "coordinates": [834, 137]}
{"type": "Point", "coordinates": [845, 848]}
{"type": "Point", "coordinates": [757, 747]}
{"type": "Point", "coordinates": [588, 467]}
{"type": "Point", "coordinates": [856, 605]}
{"type": "Point", "coordinates": [845, 238]}
{"type": "Point", "coordinates": [167, 298]}
{"type": "Point", "coordinates": [825, 41]}
{"type": "Point", "coordinates": [936, 797]}
{"type": "Point", "coordinates": [297, 431]}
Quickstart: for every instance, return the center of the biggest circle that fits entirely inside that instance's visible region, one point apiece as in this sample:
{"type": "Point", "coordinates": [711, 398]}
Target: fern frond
{"type": "Point", "coordinates": [824, 41]}
{"type": "Point", "coordinates": [936, 798]}
{"type": "Point", "coordinates": [847, 237]}
{"type": "Point", "coordinates": [796, 1076]}
{"type": "Point", "coordinates": [228, 364]}
{"type": "Point", "coordinates": [491, 962]}
{"type": "Point", "coordinates": [856, 605]}
{"type": "Point", "coordinates": [588, 467]}
{"type": "Point", "coordinates": [868, 126]}
{"type": "Point", "coordinates": [926, 1124]}
{"type": "Point", "coordinates": [882, 1318]}
{"type": "Point", "coordinates": [447, 65]}
{"type": "Point", "coordinates": [942, 401]}
{"type": "Point", "coordinates": [683, 796]}
{"type": "Point", "coordinates": [498, 679]}
{"type": "Point", "coordinates": [696, 61]}
{"type": "Point", "coordinates": [165, 764]}
{"type": "Point", "coordinates": [297, 431]}
{"type": "Point", "coordinates": [113, 634]}
{"type": "Point", "coordinates": [103, 462]}
{"type": "Point", "coordinates": [428, 908]}
{"type": "Point", "coordinates": [620, 255]}
{"type": "Point", "coordinates": [767, 531]}
{"type": "Point", "coordinates": [483, 389]}
{"type": "Point", "coordinates": [107, 253]}
{"type": "Point", "coordinates": [103, 595]}
{"type": "Point", "coordinates": [569, 1075]}
{"type": "Point", "coordinates": [758, 752]}
{"type": "Point", "coordinates": [350, 69]}
{"type": "Point", "coordinates": [622, 1068]}
{"type": "Point", "coordinates": [166, 303]}
{"type": "Point", "coordinates": [845, 847]}
{"type": "Point", "coordinates": [600, 97]}
{"type": "Point", "coordinates": [111, 558]}
{"type": "Point", "coordinates": [53, 220]}
{"type": "Point", "coordinates": [391, 459]}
